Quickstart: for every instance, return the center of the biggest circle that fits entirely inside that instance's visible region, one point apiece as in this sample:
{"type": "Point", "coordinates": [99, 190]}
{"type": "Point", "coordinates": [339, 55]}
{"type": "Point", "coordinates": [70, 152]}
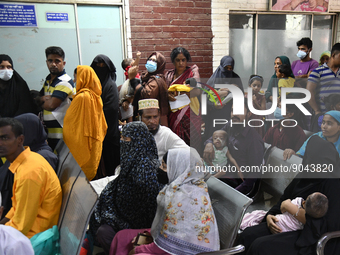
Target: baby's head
{"type": "Point", "coordinates": [283, 71]}
{"type": "Point", "coordinates": [316, 205]}
{"type": "Point", "coordinates": [127, 62]}
{"type": "Point", "coordinates": [219, 139]}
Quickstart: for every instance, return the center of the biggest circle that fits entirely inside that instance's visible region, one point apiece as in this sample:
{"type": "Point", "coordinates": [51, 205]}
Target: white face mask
{"type": "Point", "coordinates": [6, 74]}
{"type": "Point", "coordinates": [301, 54]}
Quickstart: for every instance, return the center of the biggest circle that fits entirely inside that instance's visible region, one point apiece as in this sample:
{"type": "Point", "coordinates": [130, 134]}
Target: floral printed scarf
{"type": "Point", "coordinates": [185, 222]}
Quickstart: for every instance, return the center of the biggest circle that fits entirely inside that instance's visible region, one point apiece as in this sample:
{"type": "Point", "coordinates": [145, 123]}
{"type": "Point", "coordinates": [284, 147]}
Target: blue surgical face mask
{"type": "Point", "coordinates": [277, 114]}
{"type": "Point", "coordinates": [151, 66]}
{"type": "Point", "coordinates": [301, 54]}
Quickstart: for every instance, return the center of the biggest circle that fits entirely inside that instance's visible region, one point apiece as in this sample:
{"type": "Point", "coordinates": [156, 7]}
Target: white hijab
{"type": "Point", "coordinates": [185, 222]}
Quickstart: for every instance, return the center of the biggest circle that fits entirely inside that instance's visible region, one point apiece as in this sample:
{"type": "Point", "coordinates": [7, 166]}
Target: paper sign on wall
{"type": "Point", "coordinates": [56, 16]}
{"type": "Point", "coordinates": [18, 15]}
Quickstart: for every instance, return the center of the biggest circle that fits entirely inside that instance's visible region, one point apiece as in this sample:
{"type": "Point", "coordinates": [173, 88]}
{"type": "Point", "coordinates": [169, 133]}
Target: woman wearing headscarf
{"type": "Point", "coordinates": [129, 201]}
{"type": "Point", "coordinates": [224, 74]}
{"type": "Point", "coordinates": [106, 73]}
{"type": "Point", "coordinates": [330, 132]}
{"type": "Point", "coordinates": [324, 57]}
{"type": "Point", "coordinates": [185, 121]}
{"type": "Point", "coordinates": [35, 138]}
{"type": "Point", "coordinates": [273, 83]}
{"type": "Point", "coordinates": [15, 98]}
{"type": "Point", "coordinates": [266, 238]}
{"type": "Point", "coordinates": [185, 222]}
{"type": "Point", "coordinates": [153, 85]}
{"type": "Point", "coordinates": [84, 123]}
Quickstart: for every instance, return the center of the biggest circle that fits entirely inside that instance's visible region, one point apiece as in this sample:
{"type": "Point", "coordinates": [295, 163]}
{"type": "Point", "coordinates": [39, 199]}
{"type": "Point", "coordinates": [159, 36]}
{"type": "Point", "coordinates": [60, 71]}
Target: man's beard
{"type": "Point", "coordinates": [154, 131]}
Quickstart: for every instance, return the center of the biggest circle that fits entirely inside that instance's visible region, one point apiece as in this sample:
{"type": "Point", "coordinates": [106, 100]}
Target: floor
{"type": "Point", "coordinates": [98, 251]}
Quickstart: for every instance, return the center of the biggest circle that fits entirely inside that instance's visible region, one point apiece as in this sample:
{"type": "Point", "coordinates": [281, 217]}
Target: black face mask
{"type": "Point", "coordinates": [102, 73]}
{"type": "Point", "coordinates": [162, 176]}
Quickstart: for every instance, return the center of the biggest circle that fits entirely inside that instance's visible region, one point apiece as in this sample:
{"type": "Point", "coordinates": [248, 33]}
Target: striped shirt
{"type": "Point", "coordinates": [327, 83]}
{"type": "Point", "coordinates": [63, 88]}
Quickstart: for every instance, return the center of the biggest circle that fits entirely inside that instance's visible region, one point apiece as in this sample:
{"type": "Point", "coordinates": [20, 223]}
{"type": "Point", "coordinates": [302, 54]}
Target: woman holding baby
{"type": "Point", "coordinates": [268, 237]}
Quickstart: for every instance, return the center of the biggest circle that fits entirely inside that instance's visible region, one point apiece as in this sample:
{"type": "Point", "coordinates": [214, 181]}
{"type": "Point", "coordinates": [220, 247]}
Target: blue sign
{"type": "Point", "coordinates": [57, 16]}
{"type": "Point", "coordinates": [18, 15]}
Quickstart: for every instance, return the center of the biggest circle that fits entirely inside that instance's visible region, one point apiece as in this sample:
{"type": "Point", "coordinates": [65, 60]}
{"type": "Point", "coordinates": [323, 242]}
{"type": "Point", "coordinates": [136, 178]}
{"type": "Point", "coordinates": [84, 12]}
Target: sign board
{"type": "Point", "coordinates": [18, 15]}
{"type": "Point", "coordinates": [56, 17]}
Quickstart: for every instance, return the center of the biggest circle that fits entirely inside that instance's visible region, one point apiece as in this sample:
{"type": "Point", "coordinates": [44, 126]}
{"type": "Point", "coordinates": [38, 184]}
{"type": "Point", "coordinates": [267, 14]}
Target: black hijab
{"type": "Point", "coordinates": [223, 76]}
{"type": "Point", "coordinates": [130, 201]}
{"type": "Point", "coordinates": [36, 136]}
{"type": "Point", "coordinates": [107, 77]}
{"type": "Point", "coordinates": [220, 76]}
{"type": "Point", "coordinates": [104, 73]}
{"type": "Point", "coordinates": [318, 151]}
{"type": "Point", "coordinates": [15, 98]}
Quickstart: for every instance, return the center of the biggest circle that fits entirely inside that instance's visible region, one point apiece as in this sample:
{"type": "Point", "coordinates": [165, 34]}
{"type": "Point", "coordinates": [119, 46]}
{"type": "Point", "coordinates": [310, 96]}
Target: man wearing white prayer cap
{"type": "Point", "coordinates": [165, 139]}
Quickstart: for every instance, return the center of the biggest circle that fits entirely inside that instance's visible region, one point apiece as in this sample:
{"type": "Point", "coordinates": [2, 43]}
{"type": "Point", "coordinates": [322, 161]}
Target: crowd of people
{"type": "Point", "coordinates": [151, 135]}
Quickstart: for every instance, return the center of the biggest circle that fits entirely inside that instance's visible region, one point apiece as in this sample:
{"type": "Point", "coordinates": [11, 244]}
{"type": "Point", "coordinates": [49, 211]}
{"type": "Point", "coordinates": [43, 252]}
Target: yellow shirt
{"type": "Point", "coordinates": [286, 83]}
{"type": "Point", "coordinates": [37, 194]}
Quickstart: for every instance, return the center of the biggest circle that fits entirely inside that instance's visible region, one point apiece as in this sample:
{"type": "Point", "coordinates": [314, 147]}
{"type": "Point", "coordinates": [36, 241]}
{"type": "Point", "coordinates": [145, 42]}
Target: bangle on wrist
{"type": "Point", "coordinates": [296, 214]}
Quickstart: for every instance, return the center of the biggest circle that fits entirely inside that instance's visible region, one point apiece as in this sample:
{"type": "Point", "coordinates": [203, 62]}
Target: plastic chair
{"type": "Point", "coordinates": [308, 133]}
{"type": "Point", "coordinates": [229, 207]}
{"type": "Point", "coordinates": [62, 151]}
{"type": "Point", "coordinates": [276, 181]}
{"type": "Point", "coordinates": [79, 200]}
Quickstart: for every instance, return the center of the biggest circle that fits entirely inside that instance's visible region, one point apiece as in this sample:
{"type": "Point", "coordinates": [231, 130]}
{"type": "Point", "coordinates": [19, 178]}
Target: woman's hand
{"type": "Point", "coordinates": [287, 153]}
{"type": "Point", "coordinates": [218, 106]}
{"type": "Point", "coordinates": [209, 153]}
{"type": "Point", "coordinates": [171, 95]}
{"type": "Point", "coordinates": [223, 92]}
{"type": "Point", "coordinates": [274, 229]}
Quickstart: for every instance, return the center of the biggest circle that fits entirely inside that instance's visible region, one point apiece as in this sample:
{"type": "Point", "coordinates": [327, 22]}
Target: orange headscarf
{"type": "Point", "coordinates": [84, 123]}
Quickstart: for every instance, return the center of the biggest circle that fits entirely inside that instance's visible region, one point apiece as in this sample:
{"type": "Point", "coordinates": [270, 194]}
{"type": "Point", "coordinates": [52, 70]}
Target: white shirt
{"type": "Point", "coordinates": [166, 140]}
{"type": "Point", "coordinates": [13, 242]}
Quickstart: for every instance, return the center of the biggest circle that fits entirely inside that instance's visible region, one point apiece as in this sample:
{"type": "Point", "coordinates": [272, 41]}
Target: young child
{"type": "Point", "coordinates": [222, 154]}
{"type": "Point", "coordinates": [126, 92]}
{"type": "Point", "coordinates": [129, 62]}
{"type": "Point", "coordinates": [324, 57]}
{"type": "Point", "coordinates": [316, 206]}
{"type": "Point", "coordinates": [283, 74]}
{"type": "Point", "coordinates": [259, 102]}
